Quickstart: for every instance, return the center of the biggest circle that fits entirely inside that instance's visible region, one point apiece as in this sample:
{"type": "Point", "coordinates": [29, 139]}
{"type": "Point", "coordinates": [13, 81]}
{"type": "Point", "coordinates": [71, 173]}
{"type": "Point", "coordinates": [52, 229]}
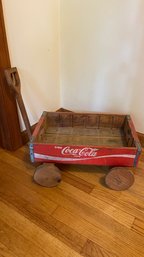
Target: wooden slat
{"type": "Point", "coordinates": [16, 243]}
{"type": "Point", "coordinates": [89, 120]}
{"type": "Point", "coordinates": [5, 252]}
{"type": "Point", "coordinates": [29, 201]}
{"type": "Point", "coordinates": [85, 129]}
{"type": "Point", "coordinates": [92, 249]}
{"type": "Point", "coordinates": [130, 139]}
{"type": "Point", "coordinates": [95, 234]}
{"type": "Point", "coordinates": [27, 237]}
{"type": "Point", "coordinates": [128, 201]}
{"type": "Point", "coordinates": [138, 226]}
{"type": "Point", "coordinates": [72, 137]}
{"type": "Point", "coordinates": [20, 198]}
{"type": "Point", "coordinates": [76, 182]}
{"type": "Point", "coordinates": [116, 214]}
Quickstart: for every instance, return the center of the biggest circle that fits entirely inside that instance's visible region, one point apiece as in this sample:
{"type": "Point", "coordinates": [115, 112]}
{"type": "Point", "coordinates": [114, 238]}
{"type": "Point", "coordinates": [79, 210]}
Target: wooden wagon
{"type": "Point", "coordinates": [81, 138]}
{"type": "Point", "coordinates": [91, 139]}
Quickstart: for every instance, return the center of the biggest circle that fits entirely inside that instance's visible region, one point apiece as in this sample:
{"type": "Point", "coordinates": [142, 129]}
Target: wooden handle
{"type": "Point", "coordinates": [24, 115]}
{"type": "Point", "coordinates": [13, 81]}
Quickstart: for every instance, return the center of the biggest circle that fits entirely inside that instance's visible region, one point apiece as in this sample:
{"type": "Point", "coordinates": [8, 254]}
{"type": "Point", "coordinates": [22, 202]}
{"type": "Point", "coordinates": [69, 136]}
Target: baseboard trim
{"type": "Point", "coordinates": [24, 134]}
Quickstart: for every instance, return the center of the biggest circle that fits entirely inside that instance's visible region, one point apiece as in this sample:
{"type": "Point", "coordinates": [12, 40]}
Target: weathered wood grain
{"type": "Point", "coordinates": [92, 249]}
{"type": "Point", "coordinates": [95, 234]}
{"type": "Point", "coordinates": [27, 234]}
{"type": "Point", "coordinates": [5, 252]}
{"type": "Point", "coordinates": [138, 226]}
{"type": "Point", "coordinates": [82, 129]}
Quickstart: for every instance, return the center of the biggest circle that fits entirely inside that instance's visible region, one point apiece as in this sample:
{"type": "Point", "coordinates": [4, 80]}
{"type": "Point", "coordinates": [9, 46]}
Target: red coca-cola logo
{"type": "Point", "coordinates": [84, 152]}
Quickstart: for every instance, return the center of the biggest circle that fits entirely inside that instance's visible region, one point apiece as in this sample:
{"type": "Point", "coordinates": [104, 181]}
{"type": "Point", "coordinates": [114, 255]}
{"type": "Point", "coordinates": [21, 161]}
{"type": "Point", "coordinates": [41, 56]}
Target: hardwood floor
{"type": "Point", "coordinates": [80, 217]}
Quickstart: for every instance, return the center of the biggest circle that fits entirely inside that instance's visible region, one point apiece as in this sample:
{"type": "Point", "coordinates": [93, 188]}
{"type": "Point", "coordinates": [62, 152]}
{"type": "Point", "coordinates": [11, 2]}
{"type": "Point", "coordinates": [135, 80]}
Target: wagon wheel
{"type": "Point", "coordinates": [47, 175]}
{"type": "Point", "coordinates": [119, 178]}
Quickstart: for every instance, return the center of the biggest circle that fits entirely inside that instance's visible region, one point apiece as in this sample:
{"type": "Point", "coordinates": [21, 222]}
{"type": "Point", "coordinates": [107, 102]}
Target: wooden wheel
{"type": "Point", "coordinates": [47, 175]}
{"type": "Point", "coordinates": [119, 178]}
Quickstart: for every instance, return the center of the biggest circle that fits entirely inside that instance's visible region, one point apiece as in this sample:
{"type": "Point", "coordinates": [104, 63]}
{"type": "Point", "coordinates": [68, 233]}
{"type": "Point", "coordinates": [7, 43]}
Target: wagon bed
{"type": "Point", "coordinates": [85, 138]}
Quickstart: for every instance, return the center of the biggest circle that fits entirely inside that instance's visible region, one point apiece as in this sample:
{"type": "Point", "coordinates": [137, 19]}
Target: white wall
{"type": "Point", "coordinates": [99, 45]}
{"type": "Point", "coordinates": [102, 45]}
{"type": "Point", "coordinates": [33, 38]}
{"type": "Point", "coordinates": [137, 104]}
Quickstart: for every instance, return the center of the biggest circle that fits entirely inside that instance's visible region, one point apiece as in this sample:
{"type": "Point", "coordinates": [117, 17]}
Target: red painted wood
{"type": "Point", "coordinates": [37, 129]}
{"type": "Point", "coordinates": [84, 155]}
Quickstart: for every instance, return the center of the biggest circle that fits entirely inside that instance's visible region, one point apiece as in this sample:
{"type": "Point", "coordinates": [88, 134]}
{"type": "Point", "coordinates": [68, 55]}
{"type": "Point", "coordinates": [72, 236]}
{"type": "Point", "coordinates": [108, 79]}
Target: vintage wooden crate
{"type": "Point", "coordinates": [85, 138]}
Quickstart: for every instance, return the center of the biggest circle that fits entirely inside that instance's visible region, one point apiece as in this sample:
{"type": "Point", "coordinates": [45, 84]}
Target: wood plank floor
{"type": "Point", "coordinates": [80, 217]}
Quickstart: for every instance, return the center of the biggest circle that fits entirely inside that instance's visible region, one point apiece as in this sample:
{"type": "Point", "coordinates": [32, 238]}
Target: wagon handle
{"type": "Point", "coordinates": [13, 81]}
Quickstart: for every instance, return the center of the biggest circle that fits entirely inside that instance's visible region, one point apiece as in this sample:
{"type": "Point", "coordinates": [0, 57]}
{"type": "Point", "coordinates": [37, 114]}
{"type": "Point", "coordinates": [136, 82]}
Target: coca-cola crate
{"type": "Point", "coordinates": [85, 138]}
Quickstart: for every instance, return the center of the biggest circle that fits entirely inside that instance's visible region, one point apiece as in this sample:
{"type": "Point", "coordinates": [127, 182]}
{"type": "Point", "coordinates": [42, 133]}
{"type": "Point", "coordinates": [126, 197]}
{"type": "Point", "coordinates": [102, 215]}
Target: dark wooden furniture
{"type": "Point", "coordinates": [10, 135]}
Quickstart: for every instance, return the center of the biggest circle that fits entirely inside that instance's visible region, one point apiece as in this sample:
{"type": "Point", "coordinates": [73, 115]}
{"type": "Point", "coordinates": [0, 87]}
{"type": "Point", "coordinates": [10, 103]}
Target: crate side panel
{"type": "Point", "coordinates": [40, 124]}
{"type": "Point", "coordinates": [88, 155]}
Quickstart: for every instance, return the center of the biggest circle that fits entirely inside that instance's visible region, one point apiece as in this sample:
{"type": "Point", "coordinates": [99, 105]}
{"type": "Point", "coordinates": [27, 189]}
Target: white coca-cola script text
{"type": "Point", "coordinates": [84, 152]}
